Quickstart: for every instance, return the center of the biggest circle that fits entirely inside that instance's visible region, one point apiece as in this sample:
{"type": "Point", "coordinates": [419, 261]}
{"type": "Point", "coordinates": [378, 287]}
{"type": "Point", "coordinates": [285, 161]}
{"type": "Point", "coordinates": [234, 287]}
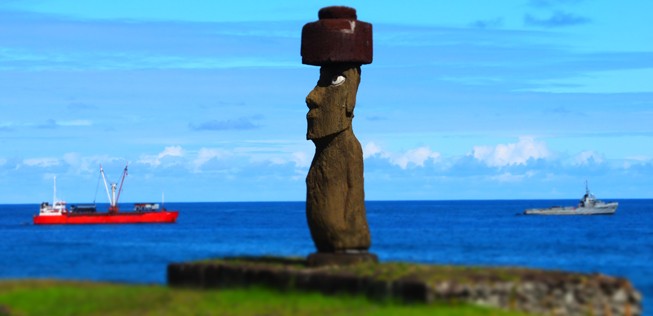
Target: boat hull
{"type": "Point", "coordinates": [604, 209]}
{"type": "Point", "coordinates": [107, 218]}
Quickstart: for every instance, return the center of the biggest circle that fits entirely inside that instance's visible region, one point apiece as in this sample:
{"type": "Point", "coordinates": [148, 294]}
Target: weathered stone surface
{"type": "Point", "coordinates": [320, 259]}
{"type": "Point", "coordinates": [335, 198]}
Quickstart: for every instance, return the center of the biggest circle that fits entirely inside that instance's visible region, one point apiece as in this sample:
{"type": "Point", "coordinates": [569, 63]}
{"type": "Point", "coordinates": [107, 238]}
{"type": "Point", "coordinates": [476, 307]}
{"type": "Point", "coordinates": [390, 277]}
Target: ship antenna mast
{"type": "Point", "coordinates": [587, 188]}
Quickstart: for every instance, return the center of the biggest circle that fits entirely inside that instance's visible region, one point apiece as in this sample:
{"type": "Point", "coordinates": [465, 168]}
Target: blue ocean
{"type": "Point", "coordinates": [486, 233]}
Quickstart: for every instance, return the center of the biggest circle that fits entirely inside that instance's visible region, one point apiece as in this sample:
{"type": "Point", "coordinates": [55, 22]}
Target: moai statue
{"type": "Point", "coordinates": [335, 197]}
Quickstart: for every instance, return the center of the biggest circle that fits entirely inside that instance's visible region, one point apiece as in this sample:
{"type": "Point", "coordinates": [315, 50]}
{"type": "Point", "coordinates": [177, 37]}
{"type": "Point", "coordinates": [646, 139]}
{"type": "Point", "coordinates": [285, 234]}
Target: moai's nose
{"type": "Point", "coordinates": [312, 99]}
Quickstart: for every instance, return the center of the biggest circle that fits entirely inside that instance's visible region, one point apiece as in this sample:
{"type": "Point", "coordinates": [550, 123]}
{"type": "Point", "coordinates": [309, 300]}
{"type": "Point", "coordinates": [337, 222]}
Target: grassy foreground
{"type": "Point", "coordinates": [52, 297]}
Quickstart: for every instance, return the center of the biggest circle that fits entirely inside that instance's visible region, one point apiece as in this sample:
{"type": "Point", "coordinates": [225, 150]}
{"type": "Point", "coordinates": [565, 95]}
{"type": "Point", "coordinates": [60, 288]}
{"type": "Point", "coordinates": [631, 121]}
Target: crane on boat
{"type": "Point", "coordinates": [113, 196]}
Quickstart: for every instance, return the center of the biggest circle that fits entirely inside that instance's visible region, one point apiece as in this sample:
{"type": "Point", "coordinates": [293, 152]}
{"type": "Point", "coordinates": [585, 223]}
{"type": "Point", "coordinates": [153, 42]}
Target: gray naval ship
{"type": "Point", "coordinates": [588, 205]}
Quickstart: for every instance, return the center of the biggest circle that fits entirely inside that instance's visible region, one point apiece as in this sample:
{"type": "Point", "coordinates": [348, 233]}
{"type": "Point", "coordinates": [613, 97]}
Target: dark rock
{"type": "Point", "coordinates": [180, 274]}
{"type": "Point", "coordinates": [4, 310]}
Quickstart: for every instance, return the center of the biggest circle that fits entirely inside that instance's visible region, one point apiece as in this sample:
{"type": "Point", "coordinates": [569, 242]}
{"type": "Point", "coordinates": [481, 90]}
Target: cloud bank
{"type": "Point", "coordinates": [519, 153]}
{"type": "Point", "coordinates": [421, 173]}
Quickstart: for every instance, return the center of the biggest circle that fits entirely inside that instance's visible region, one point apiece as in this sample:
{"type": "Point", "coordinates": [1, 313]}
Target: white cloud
{"type": "Point", "coordinates": [156, 160]}
{"type": "Point", "coordinates": [587, 157]}
{"type": "Point", "coordinates": [205, 155]}
{"type": "Point", "coordinates": [41, 162]}
{"type": "Point", "coordinates": [301, 159]}
{"type": "Point", "coordinates": [508, 177]}
{"type": "Point", "coordinates": [511, 154]}
{"type": "Point", "coordinates": [72, 159]}
{"type": "Point", "coordinates": [370, 150]}
{"type": "Point", "coordinates": [175, 151]}
{"type": "Point", "coordinates": [276, 160]}
{"type": "Point", "coordinates": [636, 162]}
{"type": "Point", "coordinates": [416, 157]}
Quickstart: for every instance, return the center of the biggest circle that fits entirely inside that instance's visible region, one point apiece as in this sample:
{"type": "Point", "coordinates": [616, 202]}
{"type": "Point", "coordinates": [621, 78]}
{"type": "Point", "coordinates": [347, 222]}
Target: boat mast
{"type": "Point", "coordinates": [54, 194]}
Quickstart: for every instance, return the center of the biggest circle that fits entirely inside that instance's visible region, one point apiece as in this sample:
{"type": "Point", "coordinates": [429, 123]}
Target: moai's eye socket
{"type": "Point", "coordinates": [338, 80]}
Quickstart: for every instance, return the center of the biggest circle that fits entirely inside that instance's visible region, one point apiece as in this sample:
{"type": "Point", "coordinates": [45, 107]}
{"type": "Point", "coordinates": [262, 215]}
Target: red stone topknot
{"type": "Point", "coordinates": [337, 37]}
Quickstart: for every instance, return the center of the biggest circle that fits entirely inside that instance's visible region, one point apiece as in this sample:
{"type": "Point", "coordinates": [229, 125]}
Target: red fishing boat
{"type": "Point", "coordinates": [59, 213]}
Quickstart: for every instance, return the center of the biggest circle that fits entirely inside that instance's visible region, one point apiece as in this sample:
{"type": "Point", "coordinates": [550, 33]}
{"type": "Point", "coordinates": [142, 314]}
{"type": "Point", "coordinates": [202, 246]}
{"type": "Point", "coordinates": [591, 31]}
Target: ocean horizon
{"type": "Point", "coordinates": [446, 232]}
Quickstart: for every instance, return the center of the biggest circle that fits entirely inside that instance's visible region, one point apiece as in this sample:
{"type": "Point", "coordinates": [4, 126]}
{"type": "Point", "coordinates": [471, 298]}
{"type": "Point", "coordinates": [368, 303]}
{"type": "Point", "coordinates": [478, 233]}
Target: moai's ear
{"type": "Point", "coordinates": [353, 80]}
{"type": "Point", "coordinates": [350, 103]}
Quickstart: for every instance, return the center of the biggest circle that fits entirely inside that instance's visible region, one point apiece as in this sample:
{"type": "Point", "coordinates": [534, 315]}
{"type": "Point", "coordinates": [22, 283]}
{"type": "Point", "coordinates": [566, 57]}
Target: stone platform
{"type": "Point", "coordinates": [320, 259]}
{"type": "Point", "coordinates": [528, 290]}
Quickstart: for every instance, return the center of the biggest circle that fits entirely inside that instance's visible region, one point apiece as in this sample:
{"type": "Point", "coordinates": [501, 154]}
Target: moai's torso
{"type": "Point", "coordinates": [335, 200]}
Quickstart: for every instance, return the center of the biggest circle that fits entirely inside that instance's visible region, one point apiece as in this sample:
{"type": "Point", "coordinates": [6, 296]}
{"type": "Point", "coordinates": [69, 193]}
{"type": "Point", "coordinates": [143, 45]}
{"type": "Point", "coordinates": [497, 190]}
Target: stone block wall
{"type": "Point", "coordinates": [528, 290]}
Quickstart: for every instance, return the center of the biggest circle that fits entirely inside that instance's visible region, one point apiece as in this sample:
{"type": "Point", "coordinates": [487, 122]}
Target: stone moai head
{"type": "Point", "coordinates": [339, 44]}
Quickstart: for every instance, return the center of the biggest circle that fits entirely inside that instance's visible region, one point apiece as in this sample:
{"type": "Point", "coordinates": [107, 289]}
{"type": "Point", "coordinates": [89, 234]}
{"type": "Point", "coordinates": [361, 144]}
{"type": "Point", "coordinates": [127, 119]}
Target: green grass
{"type": "Point", "coordinates": [50, 297]}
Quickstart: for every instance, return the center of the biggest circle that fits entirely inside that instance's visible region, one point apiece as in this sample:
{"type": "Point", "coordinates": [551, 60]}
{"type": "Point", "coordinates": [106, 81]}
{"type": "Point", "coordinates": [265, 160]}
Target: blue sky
{"type": "Point", "coordinates": [514, 99]}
